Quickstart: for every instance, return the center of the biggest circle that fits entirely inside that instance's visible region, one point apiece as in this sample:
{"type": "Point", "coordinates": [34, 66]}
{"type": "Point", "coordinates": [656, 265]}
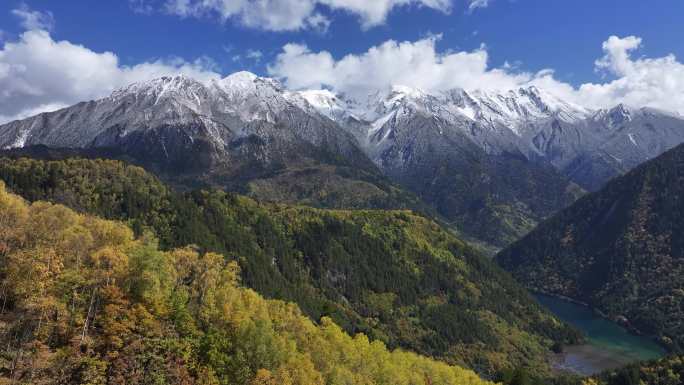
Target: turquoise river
{"type": "Point", "coordinates": [609, 345]}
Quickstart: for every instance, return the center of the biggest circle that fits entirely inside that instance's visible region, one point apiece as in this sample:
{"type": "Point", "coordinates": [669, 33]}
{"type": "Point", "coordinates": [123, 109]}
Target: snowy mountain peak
{"type": "Point", "coordinates": [242, 94]}
{"type": "Point", "coordinates": [616, 116]}
{"type": "Point", "coordinates": [512, 110]}
{"type": "Point", "coordinates": [401, 91]}
{"type": "Point", "coordinates": [241, 76]}
{"type": "Point", "coordinates": [238, 81]}
{"type": "Point", "coordinates": [324, 102]}
{"type": "Point", "coordinates": [158, 86]}
{"type": "Point", "coordinates": [393, 125]}
{"type": "Point", "coordinates": [246, 82]}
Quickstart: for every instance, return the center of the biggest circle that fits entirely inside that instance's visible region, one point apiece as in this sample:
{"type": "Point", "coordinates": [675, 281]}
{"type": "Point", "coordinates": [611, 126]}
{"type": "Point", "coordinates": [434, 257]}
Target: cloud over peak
{"type": "Point", "coordinates": [291, 15]}
{"type": "Point", "coordinates": [40, 74]}
{"type": "Point", "coordinates": [652, 82]}
{"type": "Point", "coordinates": [414, 64]}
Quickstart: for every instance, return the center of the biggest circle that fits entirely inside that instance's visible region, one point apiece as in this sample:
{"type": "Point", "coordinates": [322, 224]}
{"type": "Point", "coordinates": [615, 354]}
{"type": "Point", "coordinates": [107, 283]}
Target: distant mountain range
{"type": "Point", "coordinates": [619, 250]}
{"type": "Point", "coordinates": [492, 164]}
{"type": "Point", "coordinates": [588, 146]}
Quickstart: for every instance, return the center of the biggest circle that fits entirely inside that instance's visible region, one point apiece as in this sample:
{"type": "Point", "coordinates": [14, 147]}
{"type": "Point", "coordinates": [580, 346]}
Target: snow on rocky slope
{"type": "Point", "coordinates": [496, 163]}
{"type": "Point", "coordinates": [172, 117]}
{"type": "Point", "coordinates": [590, 146]}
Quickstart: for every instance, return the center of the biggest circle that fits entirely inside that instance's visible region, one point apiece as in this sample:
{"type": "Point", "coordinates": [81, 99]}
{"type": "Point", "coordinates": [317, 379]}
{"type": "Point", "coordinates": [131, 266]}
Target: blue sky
{"type": "Point", "coordinates": [519, 36]}
{"type": "Point", "coordinates": [536, 34]}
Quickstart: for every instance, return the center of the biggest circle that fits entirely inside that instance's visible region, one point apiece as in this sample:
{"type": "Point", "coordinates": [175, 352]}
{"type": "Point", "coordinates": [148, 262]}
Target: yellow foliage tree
{"type": "Point", "coordinates": [85, 302]}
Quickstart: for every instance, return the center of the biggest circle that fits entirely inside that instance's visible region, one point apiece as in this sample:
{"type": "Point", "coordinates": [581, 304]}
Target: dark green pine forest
{"type": "Point", "coordinates": [620, 250]}
{"type": "Point", "coordinates": [395, 276]}
{"type": "Point", "coordinates": [85, 301]}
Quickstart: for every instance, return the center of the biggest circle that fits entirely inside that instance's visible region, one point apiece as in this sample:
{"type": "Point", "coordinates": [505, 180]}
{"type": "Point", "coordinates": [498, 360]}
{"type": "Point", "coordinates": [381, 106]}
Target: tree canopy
{"type": "Point", "coordinates": [85, 301]}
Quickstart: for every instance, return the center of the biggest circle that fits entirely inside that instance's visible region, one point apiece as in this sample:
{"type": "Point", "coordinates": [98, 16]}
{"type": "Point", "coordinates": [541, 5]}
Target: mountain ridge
{"type": "Point", "coordinates": [394, 275]}
{"type": "Point", "coordinates": [510, 159]}
{"type": "Point", "coordinates": [527, 119]}
{"type": "Point", "coordinates": [87, 302]}
{"type": "Point", "coordinates": [618, 250]}
{"type": "Point", "coordinates": [238, 133]}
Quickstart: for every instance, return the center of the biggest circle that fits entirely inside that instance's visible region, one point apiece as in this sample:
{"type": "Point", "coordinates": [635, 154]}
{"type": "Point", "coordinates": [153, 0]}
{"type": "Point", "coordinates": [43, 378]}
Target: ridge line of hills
{"type": "Point", "coordinates": [84, 301]}
{"type": "Point", "coordinates": [307, 172]}
{"type": "Point", "coordinates": [493, 165]}
{"type": "Point", "coordinates": [619, 250]}
{"type": "Point", "coordinates": [393, 275]}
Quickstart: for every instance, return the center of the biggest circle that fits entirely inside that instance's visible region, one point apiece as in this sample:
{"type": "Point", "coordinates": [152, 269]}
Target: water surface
{"type": "Point", "coordinates": [608, 346]}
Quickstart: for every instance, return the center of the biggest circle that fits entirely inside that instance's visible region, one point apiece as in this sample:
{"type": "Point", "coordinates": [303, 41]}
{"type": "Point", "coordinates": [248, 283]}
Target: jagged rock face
{"type": "Point", "coordinates": [498, 164]}
{"type": "Point", "coordinates": [494, 198]}
{"type": "Point", "coordinates": [619, 249]}
{"type": "Point", "coordinates": [608, 143]}
{"type": "Point", "coordinates": [183, 124]}
{"type": "Point", "coordinates": [590, 147]}
{"type": "Point", "coordinates": [495, 164]}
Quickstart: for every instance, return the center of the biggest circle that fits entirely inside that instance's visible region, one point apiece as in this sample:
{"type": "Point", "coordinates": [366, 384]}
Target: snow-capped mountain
{"type": "Point", "coordinates": [617, 140]}
{"type": "Point", "coordinates": [497, 163]}
{"type": "Point", "coordinates": [493, 163]}
{"type": "Point", "coordinates": [496, 122]}
{"type": "Point", "coordinates": [589, 146]}
{"type": "Point", "coordinates": [222, 106]}
{"type": "Point", "coordinates": [171, 117]}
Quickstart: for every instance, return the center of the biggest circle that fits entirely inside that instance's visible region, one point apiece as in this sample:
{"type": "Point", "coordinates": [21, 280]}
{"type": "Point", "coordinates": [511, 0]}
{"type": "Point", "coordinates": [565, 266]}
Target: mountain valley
{"type": "Point", "coordinates": [363, 213]}
{"type": "Point", "coordinates": [491, 165]}
{"type": "Point", "coordinates": [618, 250]}
{"type": "Point", "coordinates": [393, 275]}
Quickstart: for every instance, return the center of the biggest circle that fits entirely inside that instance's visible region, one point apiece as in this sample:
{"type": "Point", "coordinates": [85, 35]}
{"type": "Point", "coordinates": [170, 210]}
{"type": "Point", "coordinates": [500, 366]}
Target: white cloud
{"type": "Point", "coordinates": [31, 19]}
{"type": "Point", "coordinates": [375, 12]}
{"type": "Point", "coordinates": [319, 22]}
{"type": "Point", "coordinates": [414, 64]}
{"type": "Point", "coordinates": [639, 82]}
{"type": "Point", "coordinates": [251, 56]}
{"type": "Point", "coordinates": [273, 15]}
{"type": "Point", "coordinates": [254, 54]}
{"type": "Point", "coordinates": [289, 15]}
{"type": "Point", "coordinates": [475, 4]}
{"type": "Point", "coordinates": [40, 74]}
{"type": "Point", "coordinates": [654, 82]}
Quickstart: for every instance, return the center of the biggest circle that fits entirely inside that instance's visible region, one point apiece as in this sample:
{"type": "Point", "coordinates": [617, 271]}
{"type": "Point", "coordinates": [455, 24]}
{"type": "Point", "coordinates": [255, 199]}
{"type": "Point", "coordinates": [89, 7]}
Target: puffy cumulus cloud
{"type": "Point", "coordinates": [31, 19]}
{"type": "Point", "coordinates": [273, 15]}
{"type": "Point", "coordinates": [40, 74]}
{"type": "Point", "coordinates": [375, 12]}
{"type": "Point", "coordinates": [289, 15]}
{"type": "Point", "coordinates": [638, 82]}
{"type": "Point", "coordinates": [653, 82]}
{"type": "Point", "coordinates": [414, 64]}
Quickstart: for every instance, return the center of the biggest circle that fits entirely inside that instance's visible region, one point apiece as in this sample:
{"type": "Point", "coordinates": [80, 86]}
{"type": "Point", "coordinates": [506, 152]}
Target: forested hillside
{"type": "Point", "coordinates": [621, 250]}
{"type": "Point", "coordinates": [329, 183]}
{"type": "Point", "coordinates": [393, 275]}
{"type": "Point", "coordinates": [666, 371]}
{"type": "Point", "coordinates": [84, 302]}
